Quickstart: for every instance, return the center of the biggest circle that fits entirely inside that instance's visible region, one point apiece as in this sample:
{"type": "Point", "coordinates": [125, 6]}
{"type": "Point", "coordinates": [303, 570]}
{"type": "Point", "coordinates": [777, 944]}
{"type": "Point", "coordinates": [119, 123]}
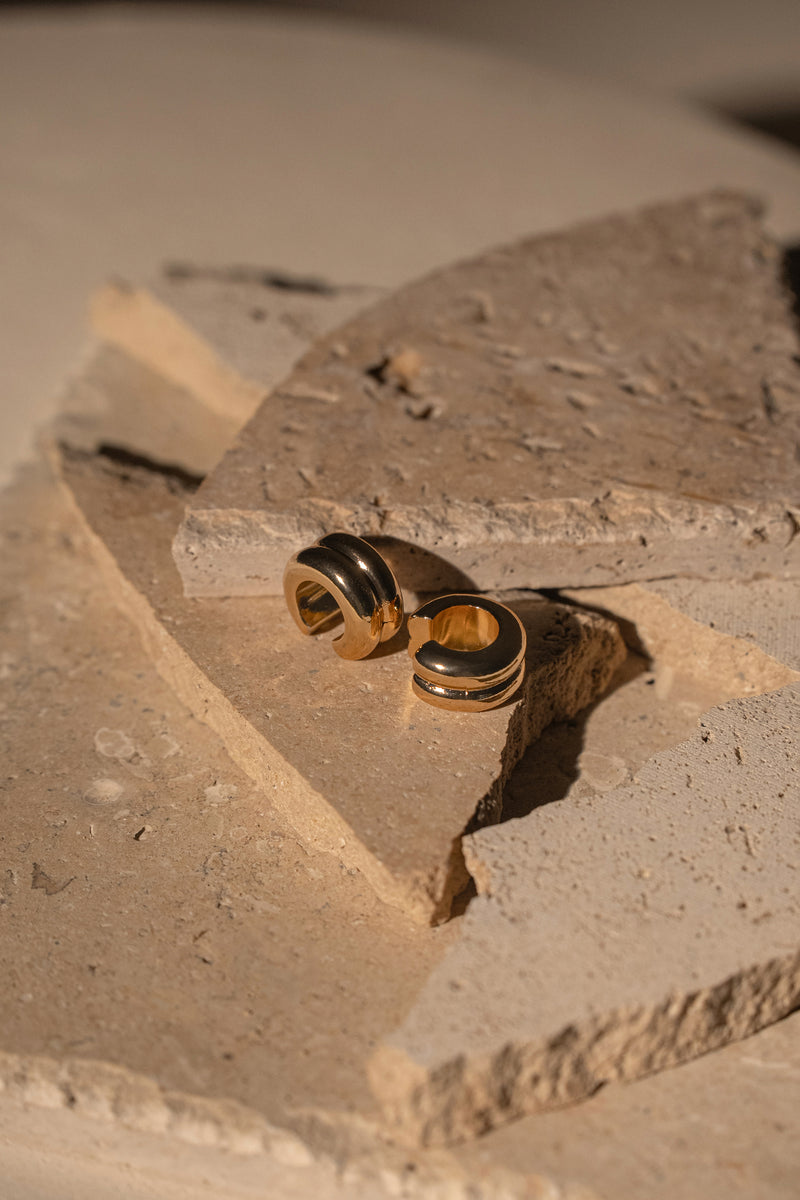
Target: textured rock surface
{"type": "Point", "coordinates": [188, 994]}
{"type": "Point", "coordinates": [764, 612]}
{"type": "Point", "coordinates": [216, 343]}
{"type": "Point", "coordinates": [647, 916]}
{"type": "Point", "coordinates": [353, 759]}
{"type": "Point", "coordinates": [614, 403]}
{"type": "Point", "coordinates": [722, 667]}
{"type": "Point", "coordinates": [156, 910]}
{"type": "Point", "coordinates": [721, 1126]}
{"type": "Point", "coordinates": [71, 667]}
{"type": "Point", "coordinates": [103, 1131]}
{"type": "Point", "coordinates": [283, 1059]}
{"type": "Point", "coordinates": [224, 336]}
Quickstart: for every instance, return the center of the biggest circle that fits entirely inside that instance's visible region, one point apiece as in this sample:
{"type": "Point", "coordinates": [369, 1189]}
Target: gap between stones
{"type": "Point", "coordinates": [551, 765]}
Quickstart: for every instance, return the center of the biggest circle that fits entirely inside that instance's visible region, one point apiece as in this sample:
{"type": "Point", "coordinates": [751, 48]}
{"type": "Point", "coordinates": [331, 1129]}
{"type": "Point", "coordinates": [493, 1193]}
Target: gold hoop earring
{"type": "Point", "coordinates": [468, 652]}
{"type": "Point", "coordinates": [344, 574]}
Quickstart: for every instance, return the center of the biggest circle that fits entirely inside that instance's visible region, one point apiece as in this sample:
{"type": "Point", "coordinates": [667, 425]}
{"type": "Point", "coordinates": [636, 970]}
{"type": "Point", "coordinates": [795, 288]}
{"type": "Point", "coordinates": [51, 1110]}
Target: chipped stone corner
{"type": "Point", "coordinates": [466, 1096]}
{"type": "Point", "coordinates": [103, 1092]}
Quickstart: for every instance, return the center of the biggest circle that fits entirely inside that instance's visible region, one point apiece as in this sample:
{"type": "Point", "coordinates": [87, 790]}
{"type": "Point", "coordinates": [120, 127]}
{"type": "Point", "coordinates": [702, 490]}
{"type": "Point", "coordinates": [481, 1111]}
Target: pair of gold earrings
{"type": "Point", "coordinates": [468, 651]}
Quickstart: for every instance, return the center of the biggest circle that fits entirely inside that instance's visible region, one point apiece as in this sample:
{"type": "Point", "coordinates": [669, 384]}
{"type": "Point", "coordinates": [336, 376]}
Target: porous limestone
{"type": "Point", "coordinates": [388, 783]}
{"type": "Point", "coordinates": [682, 665]}
{"type": "Point", "coordinates": [173, 959]}
{"type": "Point", "coordinates": [638, 920]}
{"type": "Point", "coordinates": [225, 336]}
{"type": "Point", "coordinates": [618, 402]}
{"type": "Point", "coordinates": [79, 984]}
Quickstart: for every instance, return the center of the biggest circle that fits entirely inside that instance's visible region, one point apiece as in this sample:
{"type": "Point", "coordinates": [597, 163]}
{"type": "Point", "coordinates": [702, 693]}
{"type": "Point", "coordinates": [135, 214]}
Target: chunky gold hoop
{"type": "Point", "coordinates": [344, 574]}
{"type": "Point", "coordinates": [468, 652]}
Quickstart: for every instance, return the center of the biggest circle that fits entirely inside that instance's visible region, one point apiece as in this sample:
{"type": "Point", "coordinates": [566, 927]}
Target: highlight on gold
{"type": "Point", "coordinates": [342, 575]}
{"type": "Point", "coordinates": [468, 652]}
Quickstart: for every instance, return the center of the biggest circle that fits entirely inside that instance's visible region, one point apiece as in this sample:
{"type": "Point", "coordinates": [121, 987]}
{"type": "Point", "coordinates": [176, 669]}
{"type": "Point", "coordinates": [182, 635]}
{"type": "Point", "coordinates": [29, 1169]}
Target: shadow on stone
{"type": "Point", "coordinates": [421, 569]}
{"type": "Point", "coordinates": [791, 275]}
{"type": "Point", "coordinates": [549, 766]}
{"type": "Point", "coordinates": [550, 629]}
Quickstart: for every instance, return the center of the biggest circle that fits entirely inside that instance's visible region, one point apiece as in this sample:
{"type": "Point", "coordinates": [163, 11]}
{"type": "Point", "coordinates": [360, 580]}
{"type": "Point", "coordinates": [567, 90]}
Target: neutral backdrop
{"type": "Point", "coordinates": [364, 152]}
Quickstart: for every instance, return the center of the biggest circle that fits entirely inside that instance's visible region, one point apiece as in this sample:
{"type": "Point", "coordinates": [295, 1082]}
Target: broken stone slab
{"type": "Point", "coordinates": [613, 403]}
{"type": "Point", "coordinates": [110, 1094]}
{"type": "Point", "coordinates": [764, 612]}
{"type": "Point", "coordinates": [174, 924]}
{"type": "Point", "coordinates": [671, 1136]}
{"type": "Point", "coordinates": [743, 636]}
{"type": "Point", "coordinates": [625, 933]}
{"type": "Point", "coordinates": [393, 803]}
{"type": "Point", "coordinates": [226, 336]}
{"type": "Point", "coordinates": [755, 678]}
{"type": "Point", "coordinates": [142, 419]}
{"type": "Point", "coordinates": [101, 1131]}
{"type": "Point", "coordinates": [645, 915]}
{"type": "Point", "coordinates": [216, 340]}
{"type": "Point", "coordinates": [749, 1101]}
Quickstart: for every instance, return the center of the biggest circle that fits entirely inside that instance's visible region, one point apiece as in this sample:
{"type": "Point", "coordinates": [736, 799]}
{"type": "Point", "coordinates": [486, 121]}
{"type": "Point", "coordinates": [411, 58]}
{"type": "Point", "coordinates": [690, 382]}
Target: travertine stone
{"type": "Point", "coordinates": [188, 994]}
{"type": "Point", "coordinates": [226, 336]}
{"type": "Point", "coordinates": [765, 612]}
{"type": "Point", "coordinates": [101, 1131]}
{"type": "Point", "coordinates": [173, 925]}
{"type": "Point", "coordinates": [743, 636]}
{"type": "Point", "coordinates": [723, 665]}
{"type": "Point", "coordinates": [112, 1094]}
{"type": "Point", "coordinates": [217, 345]}
{"type": "Point", "coordinates": [625, 933]}
{"type": "Point", "coordinates": [647, 917]}
{"type": "Point", "coordinates": [390, 783]}
{"type": "Point", "coordinates": [138, 415]}
{"type": "Point", "coordinates": [613, 403]}
{"type": "Point", "coordinates": [70, 667]}
{"type": "Point", "coordinates": [721, 1127]}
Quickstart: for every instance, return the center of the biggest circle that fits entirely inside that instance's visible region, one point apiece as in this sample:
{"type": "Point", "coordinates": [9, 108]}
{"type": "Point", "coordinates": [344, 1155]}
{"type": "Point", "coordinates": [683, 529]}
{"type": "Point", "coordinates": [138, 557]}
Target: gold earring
{"type": "Point", "coordinates": [343, 573]}
{"type": "Point", "coordinates": [468, 652]}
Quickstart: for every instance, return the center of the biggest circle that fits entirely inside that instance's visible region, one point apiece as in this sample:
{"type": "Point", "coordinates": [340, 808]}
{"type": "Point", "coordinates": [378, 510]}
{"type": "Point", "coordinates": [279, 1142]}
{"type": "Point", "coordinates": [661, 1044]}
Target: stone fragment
{"type": "Point", "coordinates": [216, 957]}
{"type": "Point", "coordinates": [763, 612]}
{"type": "Point", "coordinates": [642, 916]}
{"type": "Point", "coordinates": [489, 476]}
{"type": "Point", "coordinates": [363, 959]}
{"type": "Point", "coordinates": [226, 337]}
{"type": "Point", "coordinates": [623, 933]}
{"type": "Point", "coordinates": [606, 764]}
{"type": "Point", "coordinates": [717, 1127]}
{"type": "Point", "coordinates": [349, 756]}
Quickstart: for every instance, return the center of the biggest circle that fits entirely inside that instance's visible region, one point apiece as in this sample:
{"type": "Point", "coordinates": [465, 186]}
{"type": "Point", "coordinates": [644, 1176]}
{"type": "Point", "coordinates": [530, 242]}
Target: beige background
{"type": "Point", "coordinates": [731, 53]}
{"type": "Point", "coordinates": [135, 135]}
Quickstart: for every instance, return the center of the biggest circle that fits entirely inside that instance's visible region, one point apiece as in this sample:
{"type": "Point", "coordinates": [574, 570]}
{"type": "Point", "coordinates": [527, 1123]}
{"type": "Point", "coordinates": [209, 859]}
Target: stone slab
{"type": "Point", "coordinates": [157, 913]}
{"type": "Point", "coordinates": [765, 612]}
{"type": "Point", "coordinates": [613, 403]}
{"type": "Point", "coordinates": [225, 335]}
{"type": "Point", "coordinates": [94, 1152]}
{"type": "Point", "coordinates": [188, 994]}
{"type": "Point", "coordinates": [723, 667]}
{"type": "Point", "coordinates": [724, 1124]}
{"type": "Point", "coordinates": [643, 915]}
{"type": "Point", "coordinates": [390, 783]}
{"type": "Point", "coordinates": [673, 705]}
{"type": "Point", "coordinates": [350, 158]}
{"type": "Point", "coordinates": [218, 339]}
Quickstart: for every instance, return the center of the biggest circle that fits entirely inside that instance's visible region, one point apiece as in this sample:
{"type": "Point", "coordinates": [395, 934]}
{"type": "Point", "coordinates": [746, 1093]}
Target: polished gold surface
{"type": "Point", "coordinates": [343, 576]}
{"type": "Point", "coordinates": [468, 652]}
